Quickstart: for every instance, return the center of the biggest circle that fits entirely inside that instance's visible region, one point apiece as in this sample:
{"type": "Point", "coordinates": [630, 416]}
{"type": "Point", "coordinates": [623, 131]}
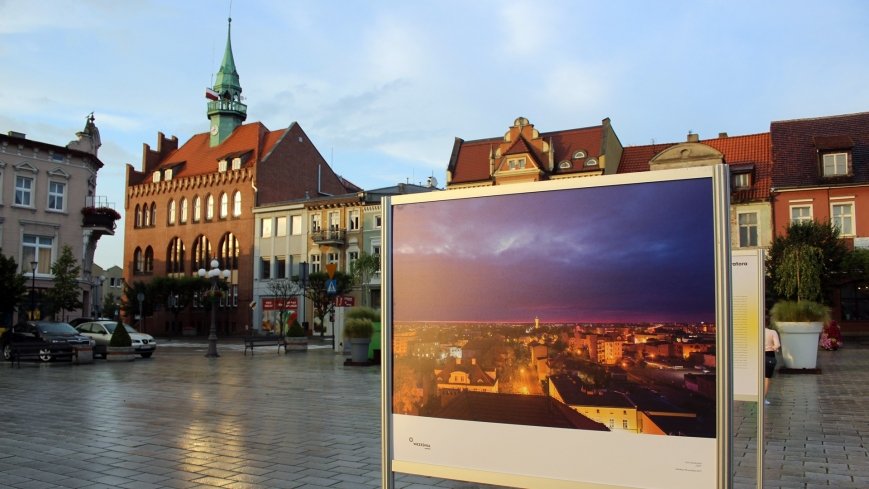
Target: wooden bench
{"type": "Point", "coordinates": [251, 341]}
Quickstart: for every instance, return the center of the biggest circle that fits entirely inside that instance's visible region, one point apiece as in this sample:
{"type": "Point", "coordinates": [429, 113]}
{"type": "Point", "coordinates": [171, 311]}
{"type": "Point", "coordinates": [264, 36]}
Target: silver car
{"type": "Point", "coordinates": [101, 331]}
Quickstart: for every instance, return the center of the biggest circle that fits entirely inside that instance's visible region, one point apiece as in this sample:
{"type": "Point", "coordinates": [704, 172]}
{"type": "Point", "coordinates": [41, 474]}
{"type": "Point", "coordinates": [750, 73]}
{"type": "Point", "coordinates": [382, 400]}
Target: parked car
{"type": "Point", "coordinates": [101, 332]}
{"type": "Point", "coordinates": [75, 322]}
{"type": "Point", "coordinates": [55, 340]}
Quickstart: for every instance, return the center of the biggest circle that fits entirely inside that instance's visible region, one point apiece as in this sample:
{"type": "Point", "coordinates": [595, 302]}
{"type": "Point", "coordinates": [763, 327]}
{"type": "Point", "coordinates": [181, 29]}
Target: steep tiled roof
{"type": "Point", "coordinates": [795, 152]}
{"type": "Point", "coordinates": [743, 152]}
{"type": "Point", "coordinates": [199, 158]}
{"type": "Point", "coordinates": [470, 162]}
{"type": "Point", "coordinates": [476, 375]}
{"type": "Point", "coordinates": [515, 409]}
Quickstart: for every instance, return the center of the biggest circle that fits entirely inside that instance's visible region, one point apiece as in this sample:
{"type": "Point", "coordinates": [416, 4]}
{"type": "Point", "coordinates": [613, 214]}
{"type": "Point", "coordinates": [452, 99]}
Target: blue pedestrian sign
{"type": "Point", "coordinates": [332, 287]}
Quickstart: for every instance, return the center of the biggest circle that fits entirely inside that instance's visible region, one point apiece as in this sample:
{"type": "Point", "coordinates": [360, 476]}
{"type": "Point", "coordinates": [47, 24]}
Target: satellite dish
{"type": "Point", "coordinates": [432, 182]}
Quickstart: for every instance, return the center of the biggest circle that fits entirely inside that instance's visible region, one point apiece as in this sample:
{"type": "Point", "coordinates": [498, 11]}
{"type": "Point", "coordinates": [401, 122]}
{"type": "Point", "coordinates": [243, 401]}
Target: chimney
{"type": "Point", "coordinates": [16, 134]}
{"type": "Point", "coordinates": [693, 138]}
{"type": "Point", "coordinates": [722, 135]}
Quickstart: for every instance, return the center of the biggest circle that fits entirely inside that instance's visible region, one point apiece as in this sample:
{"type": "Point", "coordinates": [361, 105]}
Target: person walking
{"type": "Point", "coordinates": [771, 344]}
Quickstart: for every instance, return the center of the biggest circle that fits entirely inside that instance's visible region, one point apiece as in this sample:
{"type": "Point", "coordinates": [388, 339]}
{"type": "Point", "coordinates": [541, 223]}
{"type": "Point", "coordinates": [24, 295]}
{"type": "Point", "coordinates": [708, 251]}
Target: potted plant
{"type": "Point", "coordinates": [120, 345]}
{"type": "Point", "coordinates": [358, 329]}
{"type": "Point", "coordinates": [296, 339]}
{"type": "Point", "coordinates": [99, 217]}
{"type": "Point", "coordinates": [799, 318]}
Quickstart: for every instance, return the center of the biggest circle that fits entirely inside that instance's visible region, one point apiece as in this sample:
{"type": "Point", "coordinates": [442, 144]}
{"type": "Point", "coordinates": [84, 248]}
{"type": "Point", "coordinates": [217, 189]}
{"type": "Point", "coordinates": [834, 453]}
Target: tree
{"type": "Point", "coordinates": [323, 302]}
{"type": "Point", "coordinates": [65, 295]}
{"type": "Point", "coordinates": [111, 306]}
{"type": "Point", "coordinates": [362, 270]}
{"type": "Point", "coordinates": [176, 293]}
{"type": "Point", "coordinates": [282, 289]}
{"type": "Point", "coordinates": [13, 287]}
{"type": "Point", "coordinates": [830, 256]}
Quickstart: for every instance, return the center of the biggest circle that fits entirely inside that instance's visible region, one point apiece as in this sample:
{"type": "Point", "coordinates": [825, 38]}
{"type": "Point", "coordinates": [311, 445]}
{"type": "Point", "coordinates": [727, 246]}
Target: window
{"type": "Point", "coordinates": [265, 268]}
{"type": "Point", "coordinates": [565, 165]}
{"type": "Point", "coordinates": [315, 263]}
{"type": "Point", "coordinates": [236, 204]}
{"type": "Point", "coordinates": [56, 193]}
{"type": "Point", "coordinates": [353, 219]}
{"type": "Point", "coordinates": [209, 207]}
{"type": "Point", "coordinates": [747, 229]}
{"type": "Point", "coordinates": [184, 210]}
{"type": "Point", "coordinates": [221, 166]}
{"type": "Point", "coordinates": [281, 226]}
{"type": "Point", "coordinates": [138, 216]}
{"type": "Point", "coordinates": [201, 254]}
{"type": "Point", "coordinates": [835, 164]}
{"type": "Point", "coordinates": [138, 261]}
{"type": "Point", "coordinates": [153, 213]}
{"type": "Point", "coordinates": [236, 163]}
{"type": "Point", "coordinates": [378, 221]}
{"type": "Point", "coordinates": [741, 181]}
{"type": "Point", "coordinates": [175, 256]}
{"type": "Point", "coordinates": [516, 163]}
{"type": "Point", "coordinates": [352, 256]}
{"type": "Point", "coordinates": [843, 218]}
{"type": "Point", "coordinates": [171, 212]}
{"type": "Point", "coordinates": [146, 216]}
{"type": "Point", "coordinates": [801, 213]}
{"type": "Point", "coordinates": [24, 191]}
{"type": "Point", "coordinates": [315, 223]}
{"type": "Point", "coordinates": [149, 260]}
{"type": "Point", "coordinates": [197, 209]}
{"type": "Point", "coordinates": [334, 221]}
{"type": "Point", "coordinates": [224, 205]}
{"type": "Point", "coordinates": [266, 227]}
{"type": "Point", "coordinates": [855, 302]}
{"type": "Point", "coordinates": [280, 267]}
{"type": "Point", "coordinates": [624, 424]}
{"type": "Point", "coordinates": [332, 258]}
{"type": "Point", "coordinates": [375, 249]}
{"type": "Point", "coordinates": [36, 248]}
{"type": "Point", "coordinates": [228, 255]}
{"type": "Point", "coordinates": [296, 225]}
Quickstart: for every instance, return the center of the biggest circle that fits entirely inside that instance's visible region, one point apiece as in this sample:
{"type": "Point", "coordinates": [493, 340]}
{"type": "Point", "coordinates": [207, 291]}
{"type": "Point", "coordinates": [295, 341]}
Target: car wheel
{"type": "Point", "coordinates": [45, 354]}
{"type": "Point", "coordinates": [147, 355]}
{"type": "Point", "coordinates": [7, 353]}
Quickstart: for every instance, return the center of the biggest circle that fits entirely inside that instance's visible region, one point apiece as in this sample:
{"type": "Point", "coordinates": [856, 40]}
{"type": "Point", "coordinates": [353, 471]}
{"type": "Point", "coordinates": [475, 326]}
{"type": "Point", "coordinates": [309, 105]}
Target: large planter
{"type": "Point", "coordinates": [120, 353]}
{"type": "Point", "coordinates": [799, 343]}
{"type": "Point", "coordinates": [296, 343]}
{"type": "Point", "coordinates": [359, 350]}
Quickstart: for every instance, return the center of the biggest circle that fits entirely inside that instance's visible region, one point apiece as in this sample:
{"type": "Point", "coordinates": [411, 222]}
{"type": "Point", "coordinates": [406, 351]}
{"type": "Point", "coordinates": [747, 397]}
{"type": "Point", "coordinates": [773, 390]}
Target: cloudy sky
{"type": "Point", "coordinates": [640, 252]}
{"type": "Point", "coordinates": [384, 87]}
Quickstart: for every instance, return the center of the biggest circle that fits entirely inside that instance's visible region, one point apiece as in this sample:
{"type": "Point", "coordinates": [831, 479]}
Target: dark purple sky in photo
{"type": "Point", "coordinates": [641, 252]}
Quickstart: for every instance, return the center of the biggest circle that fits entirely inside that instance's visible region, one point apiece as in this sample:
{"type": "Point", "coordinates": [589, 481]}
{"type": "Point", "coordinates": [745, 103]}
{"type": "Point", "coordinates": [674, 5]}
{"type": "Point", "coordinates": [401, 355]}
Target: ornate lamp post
{"type": "Point", "coordinates": [33, 289]}
{"type": "Point", "coordinates": [215, 274]}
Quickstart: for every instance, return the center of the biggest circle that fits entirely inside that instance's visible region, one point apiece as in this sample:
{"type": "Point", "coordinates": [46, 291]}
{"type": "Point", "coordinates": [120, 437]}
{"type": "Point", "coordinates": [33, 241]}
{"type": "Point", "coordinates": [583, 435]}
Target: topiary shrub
{"type": "Point", "coordinates": [120, 336]}
{"type": "Point", "coordinates": [358, 328]}
{"type": "Point", "coordinates": [363, 312]}
{"type": "Point", "coordinates": [295, 330]}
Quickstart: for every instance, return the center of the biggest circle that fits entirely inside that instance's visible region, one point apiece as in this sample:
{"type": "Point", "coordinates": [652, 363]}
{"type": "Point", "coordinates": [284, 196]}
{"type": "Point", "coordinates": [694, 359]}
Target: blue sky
{"type": "Point", "coordinates": [384, 87]}
{"type": "Point", "coordinates": [635, 253]}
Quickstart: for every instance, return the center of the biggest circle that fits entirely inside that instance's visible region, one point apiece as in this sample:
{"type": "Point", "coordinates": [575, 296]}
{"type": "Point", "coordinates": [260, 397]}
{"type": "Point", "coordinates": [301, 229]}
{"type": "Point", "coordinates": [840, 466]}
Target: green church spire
{"type": "Point", "coordinates": [227, 112]}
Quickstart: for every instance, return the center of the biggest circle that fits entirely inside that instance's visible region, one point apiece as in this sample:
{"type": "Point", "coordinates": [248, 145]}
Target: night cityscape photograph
{"type": "Point", "coordinates": [587, 308]}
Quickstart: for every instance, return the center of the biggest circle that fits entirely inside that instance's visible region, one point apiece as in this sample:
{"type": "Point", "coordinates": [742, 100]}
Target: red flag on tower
{"type": "Point", "coordinates": [211, 94]}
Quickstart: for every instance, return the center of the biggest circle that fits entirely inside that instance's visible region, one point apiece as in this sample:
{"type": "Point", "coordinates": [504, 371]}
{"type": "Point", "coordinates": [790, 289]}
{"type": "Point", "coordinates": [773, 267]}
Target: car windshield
{"type": "Point", "coordinates": [110, 327]}
{"type": "Point", "coordinates": [56, 328]}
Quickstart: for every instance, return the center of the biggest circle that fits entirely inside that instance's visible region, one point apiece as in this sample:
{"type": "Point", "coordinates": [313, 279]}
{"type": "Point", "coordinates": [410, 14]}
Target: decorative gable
{"type": "Point", "coordinates": [685, 155]}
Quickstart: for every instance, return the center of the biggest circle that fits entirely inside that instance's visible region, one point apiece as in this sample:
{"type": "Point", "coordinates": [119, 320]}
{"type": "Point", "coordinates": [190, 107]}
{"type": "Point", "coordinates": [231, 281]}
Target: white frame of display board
{"type": "Point", "coordinates": [683, 461]}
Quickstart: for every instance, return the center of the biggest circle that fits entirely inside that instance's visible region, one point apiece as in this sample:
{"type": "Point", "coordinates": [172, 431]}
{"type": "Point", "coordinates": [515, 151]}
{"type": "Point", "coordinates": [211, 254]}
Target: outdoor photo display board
{"type": "Point", "coordinates": [569, 333]}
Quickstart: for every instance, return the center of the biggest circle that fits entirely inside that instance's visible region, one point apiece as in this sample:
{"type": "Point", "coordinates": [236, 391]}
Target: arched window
{"type": "Point", "coordinates": [146, 216]}
{"type": "Point", "coordinates": [236, 204]}
{"type": "Point", "coordinates": [228, 256]}
{"type": "Point", "coordinates": [224, 205]}
{"type": "Point", "coordinates": [201, 254]}
{"type": "Point", "coordinates": [138, 261]}
{"type": "Point", "coordinates": [171, 212]}
{"type": "Point", "coordinates": [197, 209]}
{"type": "Point", "coordinates": [138, 222]}
{"type": "Point", "coordinates": [184, 210]}
{"type": "Point", "coordinates": [149, 260]}
{"type": "Point", "coordinates": [175, 256]}
{"type": "Point", "coordinates": [153, 214]}
{"type": "Point", "coordinates": [209, 207]}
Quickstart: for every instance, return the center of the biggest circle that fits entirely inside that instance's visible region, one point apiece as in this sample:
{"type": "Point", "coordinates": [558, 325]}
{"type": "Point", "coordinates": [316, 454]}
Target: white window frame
{"type": "Point", "coordinates": [172, 210]}
{"type": "Point", "coordinates": [236, 204]}
{"type": "Point", "coordinates": [845, 228]}
{"type": "Point", "coordinates": [378, 221]}
{"type": "Point", "coordinates": [741, 180]}
{"type": "Point", "coordinates": [183, 219]}
{"type": "Point", "coordinates": [265, 227]}
{"type": "Point", "coordinates": [41, 250]}
{"type": "Point", "coordinates": [224, 205]}
{"type": "Point", "coordinates": [353, 220]}
{"type": "Point", "coordinates": [54, 197]}
{"type": "Point", "coordinates": [796, 219]}
{"type": "Point", "coordinates": [755, 226]}
{"type": "Point", "coordinates": [332, 257]}
{"type": "Point", "coordinates": [197, 208]}
{"type": "Point", "coordinates": [314, 263]}
{"type": "Point", "coordinates": [832, 161]}
{"type": "Point", "coordinates": [24, 192]}
{"type": "Point", "coordinates": [334, 220]}
{"type": "Point", "coordinates": [209, 207]}
{"type": "Point", "coordinates": [281, 226]}
{"type": "Point", "coordinates": [316, 222]}
{"type": "Point", "coordinates": [296, 225]}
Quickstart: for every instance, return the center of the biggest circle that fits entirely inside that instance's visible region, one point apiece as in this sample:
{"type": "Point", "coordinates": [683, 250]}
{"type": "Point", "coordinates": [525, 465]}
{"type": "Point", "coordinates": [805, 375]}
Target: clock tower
{"type": "Point", "coordinates": [227, 112]}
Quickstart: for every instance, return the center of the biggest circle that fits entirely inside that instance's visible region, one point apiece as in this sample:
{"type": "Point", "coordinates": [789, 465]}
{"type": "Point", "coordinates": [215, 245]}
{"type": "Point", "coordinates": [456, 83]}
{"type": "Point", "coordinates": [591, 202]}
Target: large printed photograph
{"type": "Point", "coordinates": [583, 308]}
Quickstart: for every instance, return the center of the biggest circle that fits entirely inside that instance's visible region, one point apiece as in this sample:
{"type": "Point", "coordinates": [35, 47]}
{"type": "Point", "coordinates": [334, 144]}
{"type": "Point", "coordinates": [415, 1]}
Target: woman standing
{"type": "Point", "coordinates": [771, 344]}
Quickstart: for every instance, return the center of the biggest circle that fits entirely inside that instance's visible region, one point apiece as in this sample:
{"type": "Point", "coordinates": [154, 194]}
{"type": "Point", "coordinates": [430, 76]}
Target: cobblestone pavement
{"type": "Point", "coordinates": [305, 420]}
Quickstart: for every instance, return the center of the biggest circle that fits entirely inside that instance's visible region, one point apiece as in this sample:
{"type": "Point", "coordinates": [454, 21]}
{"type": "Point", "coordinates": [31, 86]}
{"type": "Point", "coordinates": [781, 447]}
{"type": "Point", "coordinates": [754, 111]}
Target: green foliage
{"type": "Point", "coordinates": [13, 285]}
{"type": "Point", "coordinates": [363, 312]}
{"type": "Point", "coordinates": [295, 330]}
{"type": "Point", "coordinates": [824, 237]}
{"type": "Point", "coordinates": [799, 311]}
{"type": "Point", "coordinates": [315, 291]}
{"type": "Point", "coordinates": [358, 328]}
{"type": "Point", "coordinates": [798, 275]}
{"type": "Point", "coordinates": [120, 336]}
{"type": "Point", "coordinates": [283, 289]}
{"type": "Point", "coordinates": [111, 305]}
{"type": "Point", "coordinates": [66, 293]}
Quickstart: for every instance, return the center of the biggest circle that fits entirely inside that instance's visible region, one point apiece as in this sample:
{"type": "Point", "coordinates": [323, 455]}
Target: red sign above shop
{"type": "Point", "coordinates": [345, 301]}
{"type": "Point", "coordinates": [280, 304]}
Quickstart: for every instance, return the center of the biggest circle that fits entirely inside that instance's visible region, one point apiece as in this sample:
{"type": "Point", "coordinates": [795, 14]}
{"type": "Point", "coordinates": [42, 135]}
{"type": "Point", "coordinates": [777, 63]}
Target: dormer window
{"type": "Point", "coordinates": [565, 165]}
{"type": "Point", "coordinates": [741, 181]}
{"type": "Point", "coordinates": [155, 177]}
{"type": "Point", "coordinates": [579, 155]}
{"type": "Point", "coordinates": [167, 175]}
{"type": "Point", "coordinates": [516, 163]}
{"type": "Point", "coordinates": [591, 162]}
{"type": "Point", "coordinates": [835, 164]}
{"type": "Point", "coordinates": [221, 166]}
{"type": "Point", "coordinates": [236, 163]}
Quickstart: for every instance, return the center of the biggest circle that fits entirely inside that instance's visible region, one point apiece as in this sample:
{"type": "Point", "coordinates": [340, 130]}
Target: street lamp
{"type": "Point", "coordinates": [303, 280]}
{"type": "Point", "coordinates": [215, 274]}
{"type": "Point", "coordinates": [33, 290]}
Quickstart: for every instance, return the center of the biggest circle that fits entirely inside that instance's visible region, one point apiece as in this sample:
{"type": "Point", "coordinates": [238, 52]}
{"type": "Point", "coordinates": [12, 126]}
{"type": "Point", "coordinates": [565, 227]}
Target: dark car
{"type": "Point", "coordinates": [54, 340]}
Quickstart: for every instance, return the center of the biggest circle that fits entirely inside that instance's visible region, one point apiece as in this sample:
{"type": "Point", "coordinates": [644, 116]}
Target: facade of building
{"type": "Point", "coordinates": [822, 173]}
{"type": "Point", "coordinates": [48, 200]}
{"type": "Point", "coordinates": [107, 283]}
{"type": "Point", "coordinates": [193, 203]}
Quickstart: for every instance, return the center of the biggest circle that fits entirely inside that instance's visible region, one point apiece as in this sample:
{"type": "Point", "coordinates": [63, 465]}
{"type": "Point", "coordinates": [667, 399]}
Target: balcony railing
{"type": "Point", "coordinates": [332, 236]}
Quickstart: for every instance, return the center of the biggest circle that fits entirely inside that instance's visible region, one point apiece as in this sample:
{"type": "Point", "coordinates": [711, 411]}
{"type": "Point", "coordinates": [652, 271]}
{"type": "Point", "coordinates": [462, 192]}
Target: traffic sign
{"type": "Point", "coordinates": [330, 269]}
{"type": "Point", "coordinates": [332, 287]}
